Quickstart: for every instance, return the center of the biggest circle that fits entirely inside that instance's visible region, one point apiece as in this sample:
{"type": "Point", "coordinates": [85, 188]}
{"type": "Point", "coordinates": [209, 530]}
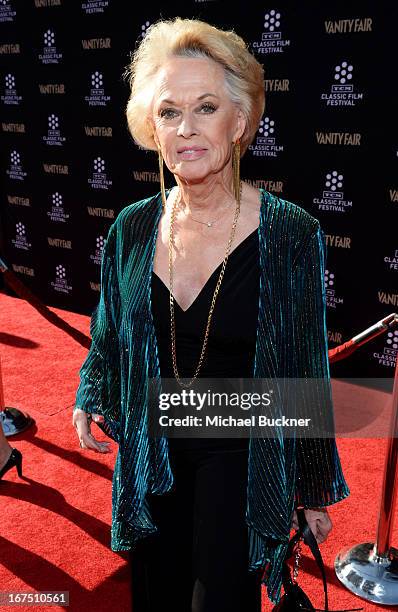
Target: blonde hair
{"type": "Point", "coordinates": [244, 75]}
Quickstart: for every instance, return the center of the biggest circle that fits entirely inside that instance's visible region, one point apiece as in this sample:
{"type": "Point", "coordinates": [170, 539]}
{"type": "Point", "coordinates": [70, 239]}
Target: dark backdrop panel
{"type": "Point", "coordinates": [327, 141]}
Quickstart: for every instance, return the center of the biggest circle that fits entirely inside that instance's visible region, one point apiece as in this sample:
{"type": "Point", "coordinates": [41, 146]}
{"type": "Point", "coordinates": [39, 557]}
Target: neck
{"type": "Point", "coordinates": [204, 199]}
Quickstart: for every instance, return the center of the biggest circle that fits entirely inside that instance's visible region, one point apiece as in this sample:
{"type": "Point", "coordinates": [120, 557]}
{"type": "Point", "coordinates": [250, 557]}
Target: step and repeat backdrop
{"type": "Point", "coordinates": [327, 141]}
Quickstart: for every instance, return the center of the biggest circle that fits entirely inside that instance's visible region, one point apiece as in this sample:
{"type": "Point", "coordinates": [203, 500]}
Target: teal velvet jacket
{"type": "Point", "coordinates": [291, 342]}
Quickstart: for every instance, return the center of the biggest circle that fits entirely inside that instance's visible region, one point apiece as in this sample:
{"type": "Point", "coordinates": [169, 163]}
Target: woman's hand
{"type": "Point", "coordinates": [318, 521]}
{"type": "Point", "coordinates": [81, 423]}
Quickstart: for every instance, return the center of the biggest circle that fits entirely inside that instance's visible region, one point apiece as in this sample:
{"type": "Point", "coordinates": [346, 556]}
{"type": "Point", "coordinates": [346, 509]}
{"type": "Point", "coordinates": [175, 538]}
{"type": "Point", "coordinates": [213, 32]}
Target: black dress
{"type": "Point", "coordinates": [200, 553]}
{"type": "Point", "coordinates": [232, 337]}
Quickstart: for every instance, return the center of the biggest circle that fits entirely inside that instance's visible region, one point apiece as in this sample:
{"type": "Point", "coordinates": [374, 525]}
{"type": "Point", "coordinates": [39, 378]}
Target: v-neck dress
{"type": "Point", "coordinates": [232, 337]}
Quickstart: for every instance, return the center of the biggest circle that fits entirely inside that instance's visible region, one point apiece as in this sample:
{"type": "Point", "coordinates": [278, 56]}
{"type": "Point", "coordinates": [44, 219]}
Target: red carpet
{"type": "Point", "coordinates": [55, 532]}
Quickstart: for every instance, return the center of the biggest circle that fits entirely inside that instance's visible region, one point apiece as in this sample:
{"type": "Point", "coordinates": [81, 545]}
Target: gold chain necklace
{"type": "Point", "coordinates": [209, 223]}
{"type": "Point", "coordinates": [172, 319]}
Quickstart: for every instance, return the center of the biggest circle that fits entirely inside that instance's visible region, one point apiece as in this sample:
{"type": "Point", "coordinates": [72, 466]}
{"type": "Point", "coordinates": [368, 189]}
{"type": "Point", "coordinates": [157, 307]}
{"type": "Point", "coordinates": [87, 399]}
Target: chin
{"type": "Point", "coordinates": [187, 172]}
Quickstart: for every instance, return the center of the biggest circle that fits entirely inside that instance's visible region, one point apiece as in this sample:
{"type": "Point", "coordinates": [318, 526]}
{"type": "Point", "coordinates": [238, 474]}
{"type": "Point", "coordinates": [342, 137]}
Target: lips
{"type": "Point", "coordinates": [192, 153]}
{"type": "Point", "coordinates": [190, 149]}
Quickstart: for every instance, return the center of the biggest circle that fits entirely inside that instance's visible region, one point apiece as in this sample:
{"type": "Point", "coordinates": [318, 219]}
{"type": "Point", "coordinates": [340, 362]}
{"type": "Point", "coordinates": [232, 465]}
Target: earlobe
{"type": "Point", "coordinates": [151, 127]}
{"type": "Point", "coordinates": [155, 138]}
{"type": "Point", "coordinates": [241, 126]}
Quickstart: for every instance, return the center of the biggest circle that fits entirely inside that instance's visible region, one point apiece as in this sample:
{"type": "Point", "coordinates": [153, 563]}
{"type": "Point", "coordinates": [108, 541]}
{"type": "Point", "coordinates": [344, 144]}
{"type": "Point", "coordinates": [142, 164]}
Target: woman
{"type": "Point", "coordinates": [212, 278]}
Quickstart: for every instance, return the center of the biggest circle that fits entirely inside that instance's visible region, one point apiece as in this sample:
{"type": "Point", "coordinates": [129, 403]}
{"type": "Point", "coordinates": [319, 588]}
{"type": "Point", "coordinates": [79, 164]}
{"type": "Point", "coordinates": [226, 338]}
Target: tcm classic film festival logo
{"type": "Point", "coordinates": [391, 261]}
{"type": "Point", "coordinates": [20, 241]}
{"type": "Point", "coordinates": [144, 29]}
{"type": "Point", "coordinates": [333, 300]}
{"type": "Point", "coordinates": [94, 6]}
{"type": "Point", "coordinates": [97, 256]}
{"type": "Point", "coordinates": [60, 283]}
{"type": "Point", "coordinates": [266, 144]}
{"type": "Point", "coordinates": [53, 136]}
{"type": "Point", "coordinates": [342, 91]}
{"type": "Point", "coordinates": [57, 212]}
{"type": "Point", "coordinates": [388, 356]}
{"type": "Point", "coordinates": [99, 178]}
{"type": "Point", "coordinates": [50, 54]}
{"type": "Point", "coordinates": [15, 171]}
{"type": "Point", "coordinates": [272, 40]}
{"type": "Point", "coordinates": [333, 198]}
{"type": "Point", "coordinates": [97, 96]}
{"type": "Point", "coordinates": [6, 11]}
{"type": "Point", "coordinates": [10, 96]}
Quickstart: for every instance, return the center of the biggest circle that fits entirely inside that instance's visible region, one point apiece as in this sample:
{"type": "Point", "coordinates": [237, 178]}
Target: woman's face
{"type": "Point", "coordinates": [195, 122]}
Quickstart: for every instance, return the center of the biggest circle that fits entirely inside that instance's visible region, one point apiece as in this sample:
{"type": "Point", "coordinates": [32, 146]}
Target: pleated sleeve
{"type": "Point", "coordinates": [99, 388]}
{"type": "Point", "coordinates": [319, 477]}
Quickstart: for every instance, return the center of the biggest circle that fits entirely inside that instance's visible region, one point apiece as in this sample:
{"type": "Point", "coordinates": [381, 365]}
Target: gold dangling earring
{"type": "Point", "coordinates": [236, 169]}
{"type": "Point", "coordinates": [161, 178]}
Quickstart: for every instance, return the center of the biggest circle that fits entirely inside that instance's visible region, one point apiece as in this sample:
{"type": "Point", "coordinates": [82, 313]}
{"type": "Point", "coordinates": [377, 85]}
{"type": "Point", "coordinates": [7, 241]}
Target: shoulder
{"type": "Point", "coordinates": [299, 219]}
{"type": "Point", "coordinates": [132, 222]}
{"type": "Point", "coordinates": [136, 219]}
{"type": "Point", "coordinates": [289, 222]}
{"type": "Point", "coordinates": [138, 210]}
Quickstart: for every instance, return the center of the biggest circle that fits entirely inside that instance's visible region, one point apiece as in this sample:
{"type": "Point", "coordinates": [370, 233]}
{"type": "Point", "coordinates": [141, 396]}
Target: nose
{"type": "Point", "coordinates": [187, 126]}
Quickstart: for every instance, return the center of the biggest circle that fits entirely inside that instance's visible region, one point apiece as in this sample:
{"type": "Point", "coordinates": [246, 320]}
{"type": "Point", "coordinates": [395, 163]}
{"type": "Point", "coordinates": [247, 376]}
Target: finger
{"type": "Point", "coordinates": [98, 418]}
{"type": "Point", "coordinates": [89, 442]}
{"type": "Point", "coordinates": [312, 524]}
{"type": "Point", "coordinates": [98, 448]}
{"type": "Point", "coordinates": [324, 529]}
{"type": "Point", "coordinates": [102, 447]}
{"type": "Point", "coordinates": [320, 537]}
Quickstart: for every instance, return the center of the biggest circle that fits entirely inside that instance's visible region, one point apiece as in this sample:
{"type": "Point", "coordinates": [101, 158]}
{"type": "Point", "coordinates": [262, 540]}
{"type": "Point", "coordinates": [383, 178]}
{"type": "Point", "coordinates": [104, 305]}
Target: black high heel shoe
{"type": "Point", "coordinates": [14, 459]}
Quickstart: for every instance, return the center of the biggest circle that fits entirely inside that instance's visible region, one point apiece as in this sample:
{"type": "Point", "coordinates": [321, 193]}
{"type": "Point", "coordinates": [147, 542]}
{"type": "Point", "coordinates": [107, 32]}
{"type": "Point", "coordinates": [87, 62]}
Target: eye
{"type": "Point", "coordinates": [208, 108]}
{"type": "Point", "coordinates": [168, 113]}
